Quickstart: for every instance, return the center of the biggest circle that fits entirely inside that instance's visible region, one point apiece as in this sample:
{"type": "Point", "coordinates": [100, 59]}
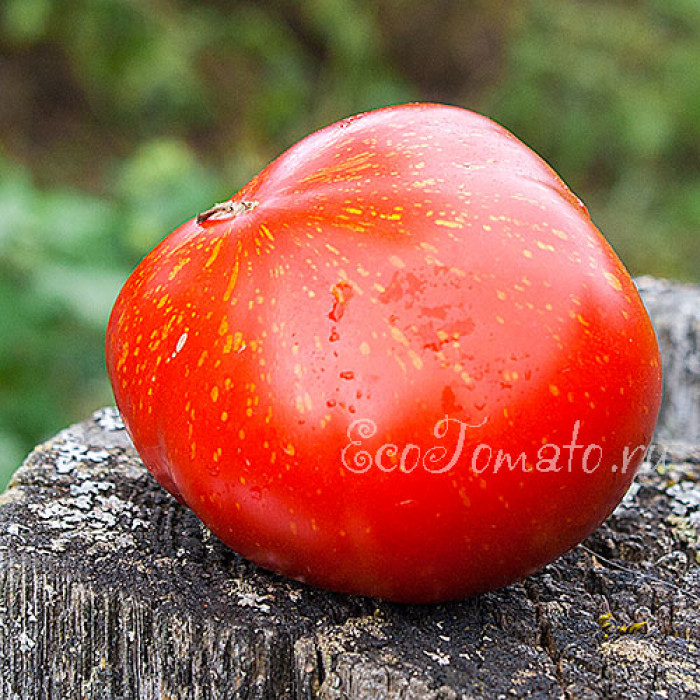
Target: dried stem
{"type": "Point", "coordinates": [226, 209]}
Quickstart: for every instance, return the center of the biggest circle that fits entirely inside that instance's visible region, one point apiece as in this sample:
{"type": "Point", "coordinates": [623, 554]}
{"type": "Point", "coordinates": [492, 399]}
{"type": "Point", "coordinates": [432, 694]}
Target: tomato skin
{"type": "Point", "coordinates": [404, 281]}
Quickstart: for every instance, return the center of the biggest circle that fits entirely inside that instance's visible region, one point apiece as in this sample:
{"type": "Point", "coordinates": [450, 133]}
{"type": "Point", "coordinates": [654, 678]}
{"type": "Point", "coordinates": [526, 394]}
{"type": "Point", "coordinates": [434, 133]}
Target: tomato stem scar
{"type": "Point", "coordinates": [228, 208]}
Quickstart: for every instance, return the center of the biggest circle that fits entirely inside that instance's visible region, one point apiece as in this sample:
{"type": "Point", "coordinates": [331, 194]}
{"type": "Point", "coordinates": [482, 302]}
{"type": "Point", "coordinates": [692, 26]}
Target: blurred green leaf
{"type": "Point", "coordinates": [25, 21]}
{"type": "Point", "coordinates": [159, 187]}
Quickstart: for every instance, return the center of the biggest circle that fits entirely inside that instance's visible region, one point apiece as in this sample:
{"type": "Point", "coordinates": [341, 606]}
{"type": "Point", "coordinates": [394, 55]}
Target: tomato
{"type": "Point", "coordinates": [400, 362]}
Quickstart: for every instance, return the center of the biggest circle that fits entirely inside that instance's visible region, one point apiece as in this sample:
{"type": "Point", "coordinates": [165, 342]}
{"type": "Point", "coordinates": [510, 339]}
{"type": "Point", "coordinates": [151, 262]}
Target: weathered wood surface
{"type": "Point", "coordinates": [110, 589]}
{"type": "Point", "coordinates": [675, 311]}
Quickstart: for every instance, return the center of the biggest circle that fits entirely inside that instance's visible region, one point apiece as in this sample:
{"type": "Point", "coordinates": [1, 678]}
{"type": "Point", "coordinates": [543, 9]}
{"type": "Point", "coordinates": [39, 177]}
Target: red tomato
{"type": "Point", "coordinates": [400, 362]}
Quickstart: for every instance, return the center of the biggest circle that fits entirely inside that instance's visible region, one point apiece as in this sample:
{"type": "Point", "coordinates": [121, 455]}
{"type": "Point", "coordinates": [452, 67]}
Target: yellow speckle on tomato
{"type": "Point", "coordinates": [554, 390]}
{"type": "Point", "coordinates": [237, 341]}
{"type": "Point", "coordinates": [180, 264]}
{"type": "Point", "coordinates": [364, 348]}
{"type": "Point", "coordinates": [233, 278]}
{"type": "Point", "coordinates": [447, 224]}
{"type": "Point", "coordinates": [123, 355]}
{"type": "Point", "coordinates": [215, 253]}
{"type": "Point", "coordinates": [399, 361]}
{"type": "Point", "coordinates": [214, 393]}
{"type": "Point", "coordinates": [613, 281]}
{"type": "Point", "coordinates": [398, 336]}
{"type": "Point", "coordinates": [415, 359]}
{"type": "Point", "coordinates": [466, 378]}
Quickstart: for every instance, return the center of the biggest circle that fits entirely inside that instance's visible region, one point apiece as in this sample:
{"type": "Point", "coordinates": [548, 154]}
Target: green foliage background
{"type": "Point", "coordinates": [120, 119]}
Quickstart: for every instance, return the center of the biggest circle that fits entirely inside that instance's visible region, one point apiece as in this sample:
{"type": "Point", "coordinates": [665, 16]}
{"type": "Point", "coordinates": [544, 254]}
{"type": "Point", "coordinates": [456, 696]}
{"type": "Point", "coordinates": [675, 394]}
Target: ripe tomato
{"type": "Point", "coordinates": [400, 362]}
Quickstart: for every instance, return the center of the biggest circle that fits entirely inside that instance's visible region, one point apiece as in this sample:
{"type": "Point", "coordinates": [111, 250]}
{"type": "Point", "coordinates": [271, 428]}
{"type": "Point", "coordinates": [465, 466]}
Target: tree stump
{"type": "Point", "coordinates": [110, 589]}
{"type": "Point", "coordinates": [675, 312]}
